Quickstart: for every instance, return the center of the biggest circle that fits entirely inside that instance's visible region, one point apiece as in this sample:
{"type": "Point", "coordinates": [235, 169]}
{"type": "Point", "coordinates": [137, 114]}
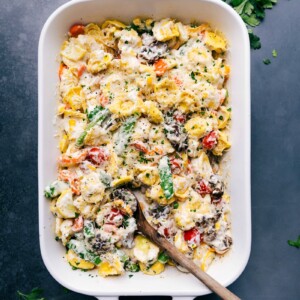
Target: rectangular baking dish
{"type": "Point", "coordinates": [171, 282]}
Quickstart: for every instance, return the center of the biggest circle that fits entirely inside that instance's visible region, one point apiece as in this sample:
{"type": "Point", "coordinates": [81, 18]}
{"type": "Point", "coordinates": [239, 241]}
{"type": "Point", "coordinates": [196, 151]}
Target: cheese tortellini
{"type": "Point", "coordinates": [142, 106]}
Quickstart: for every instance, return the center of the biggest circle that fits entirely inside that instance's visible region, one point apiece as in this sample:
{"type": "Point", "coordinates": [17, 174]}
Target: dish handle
{"type": "Point", "coordinates": [173, 298]}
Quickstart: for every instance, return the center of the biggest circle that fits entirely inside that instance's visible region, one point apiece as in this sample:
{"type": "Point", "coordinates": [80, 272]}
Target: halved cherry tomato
{"type": "Point", "coordinates": [166, 232]}
{"type": "Point", "coordinates": [103, 100]}
{"type": "Point", "coordinates": [70, 160]}
{"type": "Point", "coordinates": [76, 29]}
{"type": "Point", "coordinates": [175, 164]}
{"type": "Point", "coordinates": [61, 69]}
{"type": "Point", "coordinates": [203, 188]}
{"type": "Point", "coordinates": [81, 70]}
{"type": "Point", "coordinates": [73, 180]}
{"type": "Point", "coordinates": [115, 217]}
{"type": "Point", "coordinates": [160, 67]}
{"type": "Point", "coordinates": [140, 146]}
{"type": "Point", "coordinates": [97, 155]}
{"type": "Point", "coordinates": [192, 236]}
{"type": "Point", "coordinates": [210, 141]}
{"type": "Point", "coordinates": [179, 117]}
{"type": "Point", "coordinates": [78, 224]}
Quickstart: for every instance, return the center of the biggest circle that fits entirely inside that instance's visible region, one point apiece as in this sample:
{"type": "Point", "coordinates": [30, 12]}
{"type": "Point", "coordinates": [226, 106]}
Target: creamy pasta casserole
{"type": "Point", "coordinates": [141, 107]}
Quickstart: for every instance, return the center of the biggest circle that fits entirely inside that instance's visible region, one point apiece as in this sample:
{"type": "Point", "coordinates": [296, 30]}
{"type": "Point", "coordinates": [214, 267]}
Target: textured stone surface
{"type": "Point", "coordinates": [273, 270]}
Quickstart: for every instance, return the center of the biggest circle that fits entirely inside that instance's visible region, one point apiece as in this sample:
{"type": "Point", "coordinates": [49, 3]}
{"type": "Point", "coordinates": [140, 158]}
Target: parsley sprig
{"type": "Point", "coordinates": [252, 12]}
{"type": "Point", "coordinates": [35, 294]}
{"type": "Point", "coordinates": [295, 243]}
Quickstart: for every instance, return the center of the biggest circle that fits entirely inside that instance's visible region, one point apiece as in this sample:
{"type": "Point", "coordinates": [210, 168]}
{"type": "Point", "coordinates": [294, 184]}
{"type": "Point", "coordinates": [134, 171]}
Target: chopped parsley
{"type": "Point", "coordinates": [193, 77]}
{"type": "Point", "coordinates": [266, 61]}
{"type": "Point", "coordinates": [274, 53]}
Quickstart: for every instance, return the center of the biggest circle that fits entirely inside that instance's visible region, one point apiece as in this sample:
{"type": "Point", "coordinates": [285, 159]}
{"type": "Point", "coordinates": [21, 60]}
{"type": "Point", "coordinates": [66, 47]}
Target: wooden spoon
{"type": "Point", "coordinates": [145, 228]}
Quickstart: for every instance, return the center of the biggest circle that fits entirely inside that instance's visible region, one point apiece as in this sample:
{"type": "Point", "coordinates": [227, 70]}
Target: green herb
{"type": "Point", "coordinates": [221, 118]}
{"type": "Point", "coordinates": [295, 243]}
{"type": "Point", "coordinates": [130, 275]}
{"type": "Point", "coordinates": [175, 205]}
{"type": "Point", "coordinates": [97, 118]}
{"type": "Point", "coordinates": [165, 174]}
{"type": "Point", "coordinates": [193, 77]}
{"type": "Point", "coordinates": [163, 257]}
{"type": "Point", "coordinates": [131, 266]}
{"type": "Point", "coordinates": [125, 222]}
{"type": "Point", "coordinates": [274, 53]}
{"type": "Point", "coordinates": [266, 61]}
{"type": "Point", "coordinates": [124, 134]}
{"type": "Point", "coordinates": [252, 12]}
{"type": "Point", "coordinates": [35, 294]}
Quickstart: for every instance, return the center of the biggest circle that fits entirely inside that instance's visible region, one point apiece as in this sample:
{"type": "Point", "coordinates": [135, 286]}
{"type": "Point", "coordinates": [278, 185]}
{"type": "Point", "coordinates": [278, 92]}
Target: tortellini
{"type": "Point", "coordinates": [143, 108]}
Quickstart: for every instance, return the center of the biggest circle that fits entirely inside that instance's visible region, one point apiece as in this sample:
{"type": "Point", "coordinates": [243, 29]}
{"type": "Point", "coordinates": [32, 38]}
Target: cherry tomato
{"type": "Point", "coordinates": [81, 70]}
{"type": "Point", "coordinates": [175, 165]}
{"type": "Point", "coordinates": [97, 155]}
{"type": "Point", "coordinates": [210, 141]}
{"type": "Point", "coordinates": [192, 236]}
{"type": "Point", "coordinates": [166, 232]}
{"type": "Point", "coordinates": [203, 187]}
{"type": "Point", "coordinates": [140, 146]}
{"type": "Point", "coordinates": [179, 117]}
{"type": "Point", "coordinates": [76, 29]}
{"type": "Point", "coordinates": [78, 224]}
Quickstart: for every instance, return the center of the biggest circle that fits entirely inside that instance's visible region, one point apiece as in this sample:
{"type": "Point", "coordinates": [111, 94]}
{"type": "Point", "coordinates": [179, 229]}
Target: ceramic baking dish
{"type": "Point", "coordinates": [171, 282]}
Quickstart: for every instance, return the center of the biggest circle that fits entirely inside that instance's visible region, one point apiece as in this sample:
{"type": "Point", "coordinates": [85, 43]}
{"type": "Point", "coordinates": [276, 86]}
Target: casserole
{"type": "Point", "coordinates": [221, 17]}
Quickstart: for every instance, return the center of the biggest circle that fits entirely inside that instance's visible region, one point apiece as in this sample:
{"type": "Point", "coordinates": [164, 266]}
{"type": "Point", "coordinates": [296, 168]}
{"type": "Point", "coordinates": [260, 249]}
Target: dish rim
{"type": "Point", "coordinates": [247, 156]}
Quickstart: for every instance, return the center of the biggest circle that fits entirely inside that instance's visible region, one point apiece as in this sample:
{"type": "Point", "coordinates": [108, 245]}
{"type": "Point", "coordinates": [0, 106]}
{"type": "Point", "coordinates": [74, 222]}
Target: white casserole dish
{"type": "Point", "coordinates": [171, 282]}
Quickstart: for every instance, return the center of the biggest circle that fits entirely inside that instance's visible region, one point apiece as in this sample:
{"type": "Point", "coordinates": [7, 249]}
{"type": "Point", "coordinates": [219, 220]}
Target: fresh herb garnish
{"type": "Point", "coordinates": [252, 12]}
{"type": "Point", "coordinates": [295, 243]}
{"type": "Point", "coordinates": [266, 61]}
{"type": "Point", "coordinates": [35, 294]}
{"type": "Point", "coordinates": [274, 53]}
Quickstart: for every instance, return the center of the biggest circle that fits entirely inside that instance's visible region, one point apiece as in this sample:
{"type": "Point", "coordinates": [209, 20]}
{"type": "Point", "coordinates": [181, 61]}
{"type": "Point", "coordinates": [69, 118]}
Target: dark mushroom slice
{"type": "Point", "coordinates": [176, 134]}
{"type": "Point", "coordinates": [152, 50]}
{"type": "Point", "coordinates": [125, 200]}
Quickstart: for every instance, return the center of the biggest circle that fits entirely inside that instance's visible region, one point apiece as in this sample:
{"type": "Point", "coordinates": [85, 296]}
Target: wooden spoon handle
{"type": "Point", "coordinates": [180, 258]}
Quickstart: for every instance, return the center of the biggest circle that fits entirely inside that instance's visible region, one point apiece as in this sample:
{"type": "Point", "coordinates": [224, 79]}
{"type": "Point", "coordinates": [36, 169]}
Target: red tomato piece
{"type": "Point", "coordinates": [179, 117]}
{"type": "Point", "coordinates": [81, 70]}
{"type": "Point", "coordinates": [78, 224]}
{"type": "Point", "coordinates": [76, 29]}
{"type": "Point", "coordinates": [97, 155]}
{"type": "Point", "coordinates": [210, 140]}
{"type": "Point", "coordinates": [192, 236]}
{"type": "Point", "coordinates": [176, 165]}
{"type": "Point", "coordinates": [166, 232]}
{"type": "Point", "coordinates": [203, 188]}
{"type": "Point", "coordinates": [140, 146]}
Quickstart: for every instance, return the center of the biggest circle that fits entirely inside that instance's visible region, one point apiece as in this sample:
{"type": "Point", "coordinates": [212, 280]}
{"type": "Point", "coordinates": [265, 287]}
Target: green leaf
{"type": "Point", "coordinates": [235, 3]}
{"type": "Point", "coordinates": [266, 61]}
{"type": "Point", "coordinates": [251, 20]}
{"type": "Point", "coordinates": [254, 40]}
{"type": "Point", "coordinates": [248, 8]}
{"type": "Point", "coordinates": [240, 8]}
{"type": "Point", "coordinates": [35, 294]}
{"type": "Point", "coordinates": [274, 53]}
{"type": "Point", "coordinates": [295, 243]}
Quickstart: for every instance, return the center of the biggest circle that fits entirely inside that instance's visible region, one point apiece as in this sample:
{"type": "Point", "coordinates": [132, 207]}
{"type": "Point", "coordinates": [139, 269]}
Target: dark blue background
{"type": "Point", "coordinates": [273, 271]}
